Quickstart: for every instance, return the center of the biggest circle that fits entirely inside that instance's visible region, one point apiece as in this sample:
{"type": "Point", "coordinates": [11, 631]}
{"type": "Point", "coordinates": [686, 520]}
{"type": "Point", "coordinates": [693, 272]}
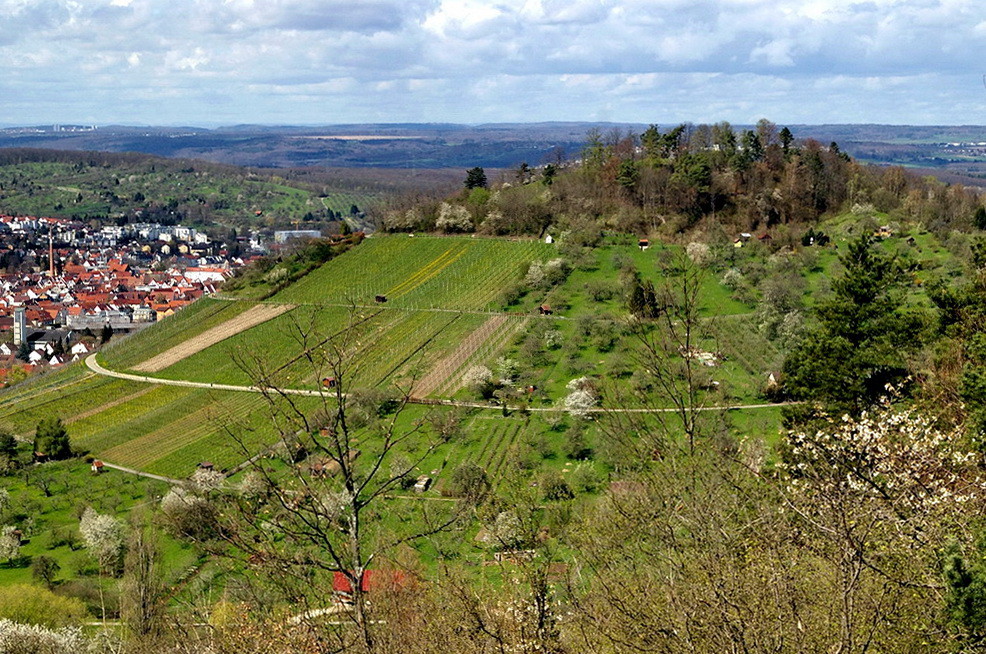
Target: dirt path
{"type": "Point", "coordinates": [249, 318]}
{"type": "Point", "coordinates": [95, 367]}
{"type": "Point", "coordinates": [450, 364]}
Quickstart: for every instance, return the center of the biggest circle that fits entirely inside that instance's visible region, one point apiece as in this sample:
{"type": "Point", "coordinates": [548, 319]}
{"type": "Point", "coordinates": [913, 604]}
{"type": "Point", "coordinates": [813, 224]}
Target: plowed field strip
{"type": "Point", "coordinates": [249, 318]}
{"type": "Point", "coordinates": [449, 365]}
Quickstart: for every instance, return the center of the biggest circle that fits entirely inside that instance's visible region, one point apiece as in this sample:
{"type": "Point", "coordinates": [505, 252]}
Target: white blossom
{"type": "Point", "coordinates": [103, 535]}
{"type": "Point", "coordinates": [897, 463]}
{"type": "Point", "coordinates": [582, 398]}
{"type": "Point", "coordinates": [535, 277]}
{"type": "Point", "coordinates": [18, 638]}
{"type": "Point", "coordinates": [205, 481]}
{"type": "Point", "coordinates": [453, 218]}
{"type": "Point", "coordinates": [477, 377]}
{"type": "Point", "coordinates": [10, 544]}
{"type": "Point", "coordinates": [181, 500]}
{"type": "Point", "coordinates": [699, 253]}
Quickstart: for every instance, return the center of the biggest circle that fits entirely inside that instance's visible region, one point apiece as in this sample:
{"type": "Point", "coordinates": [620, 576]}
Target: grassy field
{"type": "Point", "coordinates": [54, 520]}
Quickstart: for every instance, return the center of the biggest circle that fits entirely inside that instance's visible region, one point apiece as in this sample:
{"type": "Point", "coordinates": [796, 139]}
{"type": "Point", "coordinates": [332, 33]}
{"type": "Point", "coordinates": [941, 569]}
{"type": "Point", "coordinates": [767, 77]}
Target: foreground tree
{"type": "Point", "coordinates": [142, 590]}
{"type": "Point", "coordinates": [323, 523]}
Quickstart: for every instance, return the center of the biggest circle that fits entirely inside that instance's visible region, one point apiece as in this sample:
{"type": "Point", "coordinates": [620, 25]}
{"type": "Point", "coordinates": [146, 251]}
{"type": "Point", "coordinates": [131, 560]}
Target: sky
{"type": "Point", "coordinates": [224, 62]}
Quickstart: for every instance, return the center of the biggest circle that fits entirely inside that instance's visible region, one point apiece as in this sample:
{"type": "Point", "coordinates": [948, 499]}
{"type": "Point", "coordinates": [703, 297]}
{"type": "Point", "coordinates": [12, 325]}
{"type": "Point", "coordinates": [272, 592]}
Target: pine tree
{"type": "Point", "coordinates": [475, 178]}
{"type": "Point", "coordinates": [864, 335]}
{"type": "Point", "coordinates": [51, 439]}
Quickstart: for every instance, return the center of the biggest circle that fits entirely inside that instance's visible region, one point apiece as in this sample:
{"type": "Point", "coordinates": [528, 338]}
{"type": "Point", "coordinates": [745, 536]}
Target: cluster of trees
{"type": "Point", "coordinates": [702, 177]}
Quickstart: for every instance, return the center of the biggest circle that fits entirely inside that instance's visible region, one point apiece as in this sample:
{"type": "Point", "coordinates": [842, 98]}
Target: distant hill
{"type": "Point", "coordinates": [443, 145]}
{"type": "Point", "coordinates": [112, 185]}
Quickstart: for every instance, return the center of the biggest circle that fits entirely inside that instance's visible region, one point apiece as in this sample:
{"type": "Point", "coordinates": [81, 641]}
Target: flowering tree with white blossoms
{"type": "Point", "coordinates": [10, 543]}
{"type": "Point", "coordinates": [478, 379]}
{"type": "Point", "coordinates": [103, 535]}
{"type": "Point", "coordinates": [582, 397]}
{"type": "Point", "coordinates": [15, 637]}
{"type": "Point", "coordinates": [205, 481]}
{"type": "Point", "coordinates": [878, 499]}
{"type": "Point", "coordinates": [453, 218]}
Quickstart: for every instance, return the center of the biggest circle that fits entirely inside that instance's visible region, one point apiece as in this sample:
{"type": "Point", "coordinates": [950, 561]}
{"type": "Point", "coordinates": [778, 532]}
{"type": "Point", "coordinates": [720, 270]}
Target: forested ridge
{"type": "Point", "coordinates": [854, 523]}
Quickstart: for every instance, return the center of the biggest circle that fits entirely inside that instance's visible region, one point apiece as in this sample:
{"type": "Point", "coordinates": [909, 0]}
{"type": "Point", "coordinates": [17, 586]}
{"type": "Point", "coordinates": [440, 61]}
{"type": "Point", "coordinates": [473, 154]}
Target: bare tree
{"type": "Point", "coordinates": [142, 589]}
{"type": "Point", "coordinates": [324, 518]}
{"type": "Point", "coordinates": [674, 345]}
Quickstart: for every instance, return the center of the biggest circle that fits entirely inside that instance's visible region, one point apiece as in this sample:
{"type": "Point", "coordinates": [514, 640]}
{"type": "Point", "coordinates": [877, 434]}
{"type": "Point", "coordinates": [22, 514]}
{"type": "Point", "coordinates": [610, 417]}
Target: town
{"type": "Point", "coordinates": [68, 286]}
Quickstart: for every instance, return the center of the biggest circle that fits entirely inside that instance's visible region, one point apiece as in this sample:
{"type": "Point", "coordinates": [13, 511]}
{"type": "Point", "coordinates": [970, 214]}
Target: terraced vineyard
{"type": "Point", "coordinates": [435, 322]}
{"type": "Point", "coordinates": [420, 273]}
{"type": "Point", "coordinates": [391, 342]}
{"type": "Point", "coordinates": [190, 321]}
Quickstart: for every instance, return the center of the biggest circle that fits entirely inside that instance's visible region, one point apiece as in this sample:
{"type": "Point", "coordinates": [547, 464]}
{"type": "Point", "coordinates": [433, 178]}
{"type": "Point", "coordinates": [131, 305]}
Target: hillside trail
{"type": "Point", "coordinates": [97, 368]}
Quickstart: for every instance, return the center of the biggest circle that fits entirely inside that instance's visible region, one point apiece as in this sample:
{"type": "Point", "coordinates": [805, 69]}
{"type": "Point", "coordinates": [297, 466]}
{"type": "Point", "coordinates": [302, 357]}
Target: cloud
{"type": "Point", "coordinates": [518, 59]}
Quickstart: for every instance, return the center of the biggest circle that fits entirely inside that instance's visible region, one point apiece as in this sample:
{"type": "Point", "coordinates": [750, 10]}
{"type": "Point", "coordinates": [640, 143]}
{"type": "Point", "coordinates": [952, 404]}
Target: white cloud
{"type": "Point", "coordinates": [640, 60]}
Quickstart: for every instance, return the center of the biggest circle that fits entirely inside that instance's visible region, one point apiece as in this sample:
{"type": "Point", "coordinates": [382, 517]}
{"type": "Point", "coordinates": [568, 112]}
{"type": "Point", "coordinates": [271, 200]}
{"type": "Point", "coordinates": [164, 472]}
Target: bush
{"type": "Point", "coordinates": [188, 514]}
{"type": "Point", "coordinates": [554, 487]}
{"type": "Point", "coordinates": [35, 605]}
{"type": "Point", "coordinates": [469, 482]}
{"type": "Point", "coordinates": [583, 478]}
{"type": "Point", "coordinates": [576, 445]}
{"type": "Point", "coordinates": [31, 639]}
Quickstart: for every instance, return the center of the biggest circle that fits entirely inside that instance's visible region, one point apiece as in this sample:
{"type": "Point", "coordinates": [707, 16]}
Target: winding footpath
{"type": "Point", "coordinates": [100, 370]}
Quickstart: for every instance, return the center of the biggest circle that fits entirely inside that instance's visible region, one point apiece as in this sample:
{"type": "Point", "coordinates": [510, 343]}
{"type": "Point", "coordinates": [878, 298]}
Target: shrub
{"type": "Point", "coordinates": [469, 482]}
{"type": "Point", "coordinates": [188, 514]}
{"type": "Point", "coordinates": [32, 639]}
{"type": "Point", "coordinates": [39, 606]}
{"type": "Point", "coordinates": [583, 478]}
{"type": "Point", "coordinates": [554, 487]}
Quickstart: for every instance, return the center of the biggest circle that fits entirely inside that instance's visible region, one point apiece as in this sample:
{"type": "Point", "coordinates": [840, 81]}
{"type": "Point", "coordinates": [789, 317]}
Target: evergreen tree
{"type": "Point", "coordinates": [786, 139]}
{"type": "Point", "coordinates": [475, 178]}
{"type": "Point", "coordinates": [651, 142]}
{"type": "Point", "coordinates": [864, 335]}
{"type": "Point", "coordinates": [51, 438]}
{"type": "Point", "coordinates": [8, 444]}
